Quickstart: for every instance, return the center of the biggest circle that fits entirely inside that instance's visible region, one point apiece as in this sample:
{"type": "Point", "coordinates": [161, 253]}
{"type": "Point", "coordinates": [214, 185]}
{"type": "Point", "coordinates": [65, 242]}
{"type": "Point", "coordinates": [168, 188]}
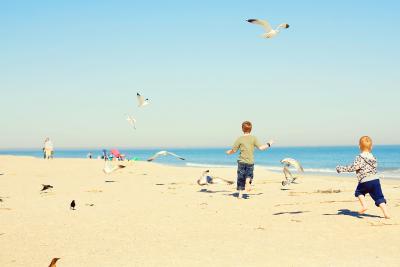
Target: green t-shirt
{"type": "Point", "coordinates": [246, 145]}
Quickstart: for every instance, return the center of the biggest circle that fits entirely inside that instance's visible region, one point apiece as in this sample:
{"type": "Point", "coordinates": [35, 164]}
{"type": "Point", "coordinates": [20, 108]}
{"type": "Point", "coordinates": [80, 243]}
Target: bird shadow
{"type": "Point", "coordinates": [110, 181]}
{"type": "Point", "coordinates": [205, 190]}
{"type": "Point", "coordinates": [290, 212]}
{"type": "Point", "coordinates": [351, 213]}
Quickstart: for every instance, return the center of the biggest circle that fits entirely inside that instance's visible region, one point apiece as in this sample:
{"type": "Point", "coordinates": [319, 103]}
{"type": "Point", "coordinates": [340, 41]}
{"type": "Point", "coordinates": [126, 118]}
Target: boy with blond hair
{"type": "Point", "coordinates": [365, 165]}
{"type": "Point", "coordinates": [246, 145]}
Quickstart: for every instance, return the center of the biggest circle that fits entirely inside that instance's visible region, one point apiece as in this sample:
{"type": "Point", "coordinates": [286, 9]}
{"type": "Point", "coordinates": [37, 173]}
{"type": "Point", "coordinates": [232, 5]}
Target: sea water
{"type": "Point", "coordinates": [318, 160]}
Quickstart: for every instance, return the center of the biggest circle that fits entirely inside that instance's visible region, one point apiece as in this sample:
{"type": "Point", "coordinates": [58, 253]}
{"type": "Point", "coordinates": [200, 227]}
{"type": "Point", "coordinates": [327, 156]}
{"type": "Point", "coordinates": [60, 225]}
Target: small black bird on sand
{"type": "Point", "coordinates": [72, 206]}
{"type": "Point", "coordinates": [46, 186]}
{"type": "Point", "coordinates": [53, 262]}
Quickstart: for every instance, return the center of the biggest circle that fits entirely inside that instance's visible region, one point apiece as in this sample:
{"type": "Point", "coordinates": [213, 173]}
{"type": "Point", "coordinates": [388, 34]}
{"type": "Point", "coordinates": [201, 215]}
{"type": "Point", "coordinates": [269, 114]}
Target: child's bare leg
{"type": "Point", "coordinates": [240, 194]}
{"type": "Point", "coordinates": [361, 198]}
{"type": "Point", "coordinates": [383, 207]}
{"type": "Point", "coordinates": [248, 185]}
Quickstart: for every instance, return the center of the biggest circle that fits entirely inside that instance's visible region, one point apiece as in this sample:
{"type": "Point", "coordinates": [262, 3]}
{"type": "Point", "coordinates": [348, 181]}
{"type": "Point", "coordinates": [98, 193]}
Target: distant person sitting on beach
{"type": "Point", "coordinates": [246, 144]}
{"type": "Point", "coordinates": [48, 149]}
{"type": "Point", "coordinates": [89, 155]}
{"type": "Point", "coordinates": [365, 165]}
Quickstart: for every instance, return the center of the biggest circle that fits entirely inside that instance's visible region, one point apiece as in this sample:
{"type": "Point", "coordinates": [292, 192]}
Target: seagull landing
{"type": "Point", "coordinates": [164, 153]}
{"type": "Point", "coordinates": [142, 101]}
{"type": "Point", "coordinates": [131, 120]}
{"type": "Point", "coordinates": [287, 163]}
{"type": "Point", "coordinates": [109, 167]}
{"type": "Point", "coordinates": [205, 179]}
{"type": "Point", "coordinates": [269, 32]}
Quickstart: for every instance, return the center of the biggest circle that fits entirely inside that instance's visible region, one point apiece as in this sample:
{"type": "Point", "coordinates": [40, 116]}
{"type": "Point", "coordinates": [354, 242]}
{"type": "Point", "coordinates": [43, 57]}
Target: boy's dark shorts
{"type": "Point", "coordinates": [244, 171]}
{"type": "Point", "coordinates": [373, 188]}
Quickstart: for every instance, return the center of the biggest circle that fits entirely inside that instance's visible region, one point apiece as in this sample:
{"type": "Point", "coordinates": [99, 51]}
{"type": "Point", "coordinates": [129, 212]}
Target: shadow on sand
{"type": "Point", "coordinates": [291, 212]}
{"type": "Point", "coordinates": [354, 214]}
{"type": "Point", "coordinates": [204, 190]}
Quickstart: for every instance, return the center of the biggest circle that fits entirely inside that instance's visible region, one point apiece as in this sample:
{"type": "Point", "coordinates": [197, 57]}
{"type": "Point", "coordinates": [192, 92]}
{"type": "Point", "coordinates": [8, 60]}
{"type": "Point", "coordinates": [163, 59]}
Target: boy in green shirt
{"type": "Point", "coordinates": [246, 144]}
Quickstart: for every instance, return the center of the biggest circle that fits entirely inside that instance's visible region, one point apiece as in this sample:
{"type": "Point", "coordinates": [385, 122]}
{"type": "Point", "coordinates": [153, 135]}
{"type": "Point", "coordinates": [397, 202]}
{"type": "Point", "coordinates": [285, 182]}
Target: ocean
{"type": "Point", "coordinates": [315, 160]}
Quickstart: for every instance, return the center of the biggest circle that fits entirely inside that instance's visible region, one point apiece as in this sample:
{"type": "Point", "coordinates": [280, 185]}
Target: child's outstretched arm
{"type": "Point", "coordinates": [266, 146]}
{"type": "Point", "coordinates": [230, 152]}
{"type": "Point", "coordinates": [351, 168]}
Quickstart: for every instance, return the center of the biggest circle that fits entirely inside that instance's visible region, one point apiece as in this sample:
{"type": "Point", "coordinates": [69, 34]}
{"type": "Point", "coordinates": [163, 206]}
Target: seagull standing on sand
{"type": "Point", "coordinates": [131, 120]}
{"type": "Point", "coordinates": [109, 167]}
{"type": "Point", "coordinates": [142, 101]}
{"type": "Point", "coordinates": [164, 153]}
{"type": "Point", "coordinates": [287, 163]}
{"type": "Point", "coordinates": [72, 205]}
{"type": "Point", "coordinates": [206, 179]}
{"type": "Point", "coordinates": [269, 32]}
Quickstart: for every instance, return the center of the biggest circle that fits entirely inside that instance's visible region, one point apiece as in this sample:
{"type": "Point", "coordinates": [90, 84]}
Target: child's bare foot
{"type": "Point", "coordinates": [248, 185]}
{"type": "Point", "coordinates": [362, 211]}
{"type": "Point", "coordinates": [387, 216]}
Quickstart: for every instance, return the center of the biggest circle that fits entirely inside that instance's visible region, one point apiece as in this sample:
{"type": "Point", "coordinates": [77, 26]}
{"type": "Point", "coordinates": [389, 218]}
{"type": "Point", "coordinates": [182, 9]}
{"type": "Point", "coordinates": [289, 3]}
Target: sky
{"type": "Point", "coordinates": [71, 69]}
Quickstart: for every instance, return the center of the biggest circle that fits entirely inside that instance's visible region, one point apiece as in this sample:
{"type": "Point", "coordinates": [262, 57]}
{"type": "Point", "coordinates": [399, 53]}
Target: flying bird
{"type": "Point", "coordinates": [72, 205]}
{"type": "Point", "coordinates": [142, 101]}
{"type": "Point", "coordinates": [269, 32]}
{"type": "Point", "coordinates": [206, 179]}
{"type": "Point", "coordinates": [109, 167]}
{"type": "Point", "coordinates": [46, 187]}
{"type": "Point", "coordinates": [131, 120]}
{"type": "Point", "coordinates": [287, 163]}
{"type": "Point", "coordinates": [164, 153]}
{"type": "Point", "coordinates": [53, 262]}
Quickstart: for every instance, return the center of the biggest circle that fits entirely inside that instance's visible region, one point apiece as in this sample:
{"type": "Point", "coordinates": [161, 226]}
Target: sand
{"type": "Point", "coordinates": [156, 215]}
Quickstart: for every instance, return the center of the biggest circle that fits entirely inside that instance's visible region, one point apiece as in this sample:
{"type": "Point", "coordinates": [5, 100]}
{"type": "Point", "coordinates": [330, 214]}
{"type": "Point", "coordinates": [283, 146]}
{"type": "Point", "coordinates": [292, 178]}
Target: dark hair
{"type": "Point", "coordinates": [247, 126]}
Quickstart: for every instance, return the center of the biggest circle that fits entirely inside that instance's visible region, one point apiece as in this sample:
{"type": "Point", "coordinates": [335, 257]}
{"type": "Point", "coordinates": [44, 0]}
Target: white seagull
{"type": "Point", "coordinates": [164, 153]}
{"type": "Point", "coordinates": [109, 167]}
{"type": "Point", "coordinates": [287, 163]}
{"type": "Point", "coordinates": [142, 101]}
{"type": "Point", "coordinates": [269, 32]}
{"type": "Point", "coordinates": [206, 179]}
{"type": "Point", "coordinates": [131, 120]}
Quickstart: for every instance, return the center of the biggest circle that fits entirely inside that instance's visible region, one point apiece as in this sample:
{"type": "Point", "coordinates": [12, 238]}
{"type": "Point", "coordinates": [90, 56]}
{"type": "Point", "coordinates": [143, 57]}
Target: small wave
{"type": "Point", "coordinates": [322, 170]}
{"type": "Point", "coordinates": [204, 165]}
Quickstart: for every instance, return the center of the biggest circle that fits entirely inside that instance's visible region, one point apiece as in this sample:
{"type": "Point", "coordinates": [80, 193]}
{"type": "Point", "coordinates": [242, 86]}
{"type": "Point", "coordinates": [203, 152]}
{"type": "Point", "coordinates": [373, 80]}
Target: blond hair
{"type": "Point", "coordinates": [365, 143]}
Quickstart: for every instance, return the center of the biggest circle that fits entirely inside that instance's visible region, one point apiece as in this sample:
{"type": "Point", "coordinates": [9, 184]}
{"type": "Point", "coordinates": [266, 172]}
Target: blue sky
{"type": "Point", "coordinates": [71, 69]}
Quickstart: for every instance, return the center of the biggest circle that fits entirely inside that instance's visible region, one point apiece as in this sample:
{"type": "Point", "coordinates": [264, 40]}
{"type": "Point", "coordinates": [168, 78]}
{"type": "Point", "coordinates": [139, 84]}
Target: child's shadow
{"type": "Point", "coordinates": [354, 214]}
{"type": "Point", "coordinates": [244, 196]}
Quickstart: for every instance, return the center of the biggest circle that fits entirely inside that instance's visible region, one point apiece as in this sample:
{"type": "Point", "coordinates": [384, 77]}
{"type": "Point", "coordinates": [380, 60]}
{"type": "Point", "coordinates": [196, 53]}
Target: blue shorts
{"type": "Point", "coordinates": [373, 188]}
{"type": "Point", "coordinates": [244, 171]}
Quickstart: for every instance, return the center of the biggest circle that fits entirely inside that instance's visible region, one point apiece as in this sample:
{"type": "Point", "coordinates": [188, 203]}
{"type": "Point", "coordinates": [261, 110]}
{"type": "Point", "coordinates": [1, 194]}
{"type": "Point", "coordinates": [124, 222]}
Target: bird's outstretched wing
{"type": "Point", "coordinates": [294, 163]}
{"type": "Point", "coordinates": [175, 155]}
{"type": "Point", "coordinates": [155, 156]}
{"type": "Point", "coordinates": [263, 23]}
{"type": "Point", "coordinates": [219, 180]}
{"type": "Point", "coordinates": [142, 101]}
{"type": "Point", "coordinates": [109, 167]}
{"type": "Point", "coordinates": [131, 120]}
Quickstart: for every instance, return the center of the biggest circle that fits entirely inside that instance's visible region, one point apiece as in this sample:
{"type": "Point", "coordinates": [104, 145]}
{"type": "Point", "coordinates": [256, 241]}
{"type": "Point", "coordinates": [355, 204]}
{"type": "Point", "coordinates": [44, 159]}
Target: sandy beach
{"type": "Point", "coordinates": [150, 214]}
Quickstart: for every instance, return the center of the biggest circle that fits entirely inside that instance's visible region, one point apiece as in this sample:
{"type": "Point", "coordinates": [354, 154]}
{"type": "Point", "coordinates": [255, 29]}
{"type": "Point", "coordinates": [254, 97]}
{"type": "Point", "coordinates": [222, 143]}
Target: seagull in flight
{"type": "Point", "coordinates": [109, 167]}
{"type": "Point", "coordinates": [164, 153]}
{"type": "Point", "coordinates": [287, 163]}
{"type": "Point", "coordinates": [142, 101]}
{"type": "Point", "coordinates": [131, 120]}
{"type": "Point", "coordinates": [206, 179]}
{"type": "Point", "coordinates": [269, 32]}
